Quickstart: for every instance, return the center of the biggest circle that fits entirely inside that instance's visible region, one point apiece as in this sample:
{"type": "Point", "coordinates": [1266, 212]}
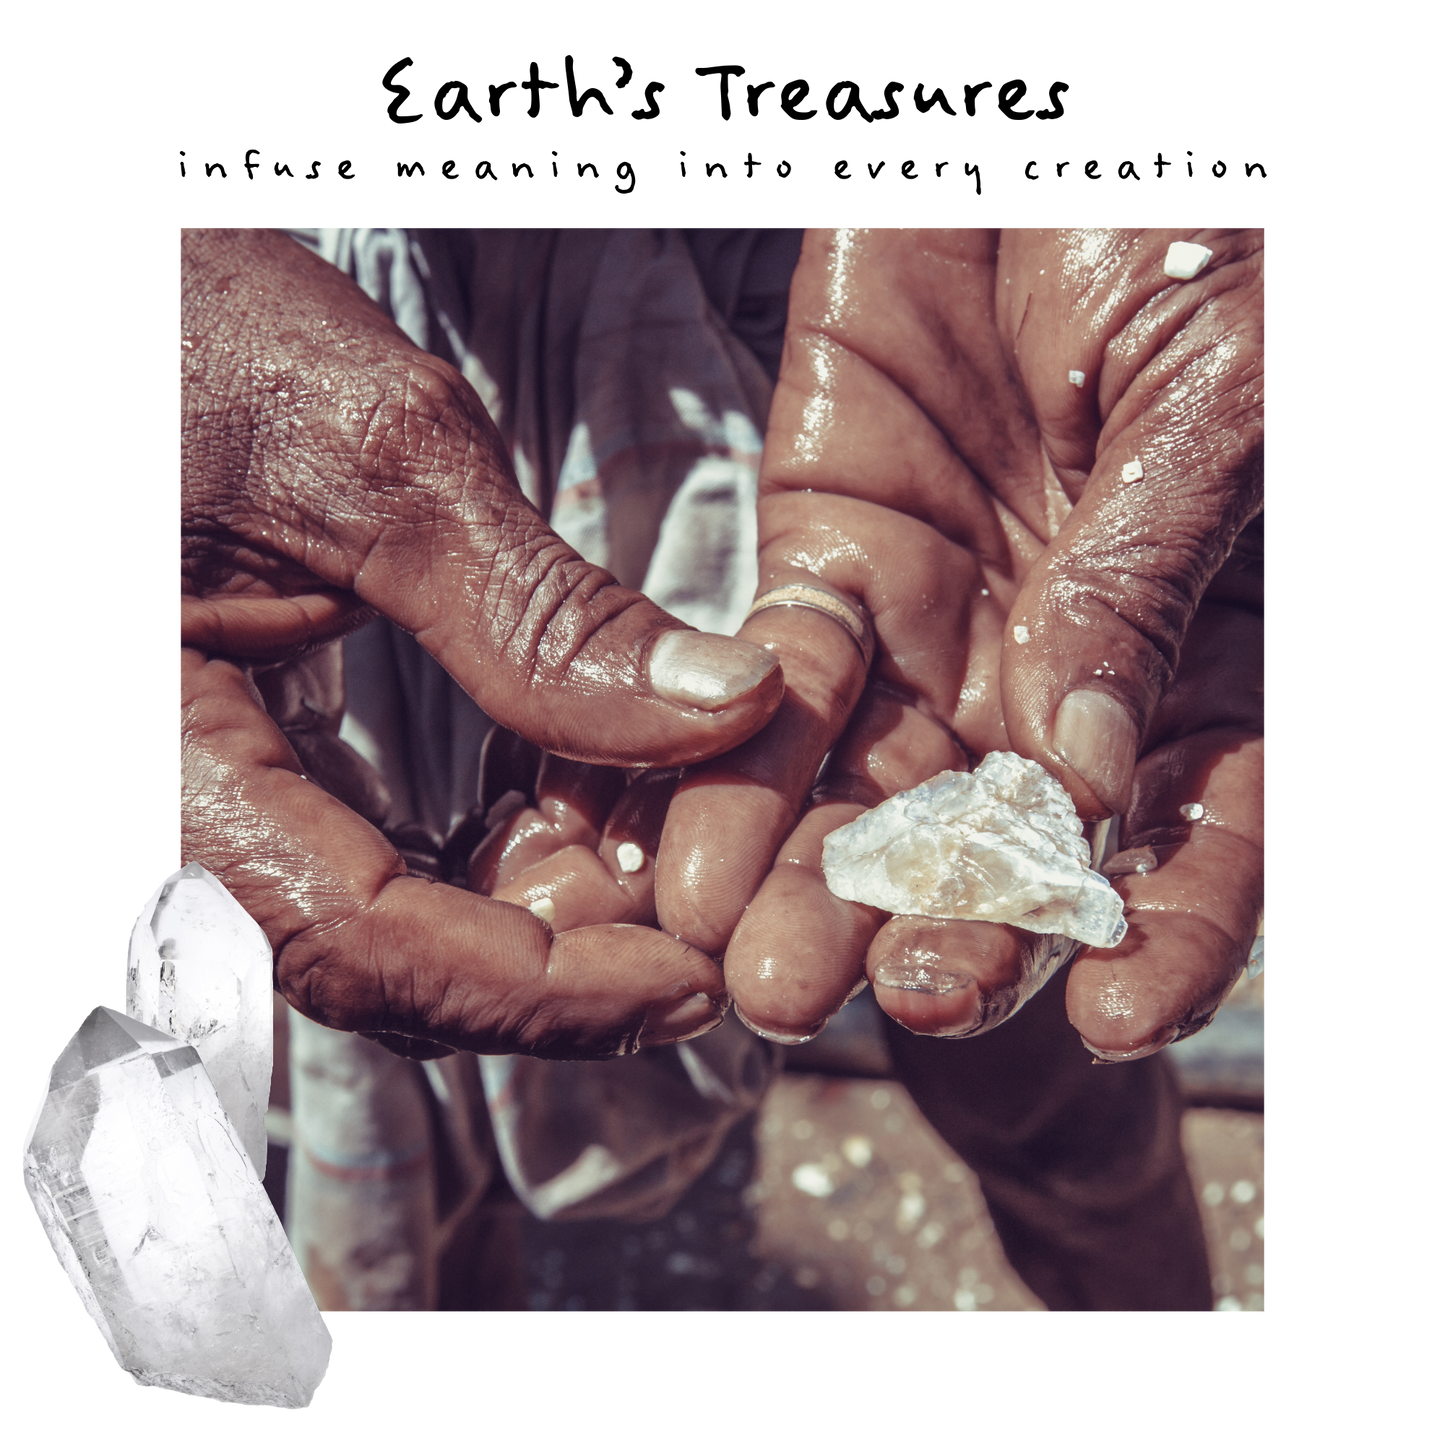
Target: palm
{"type": "Point", "coordinates": [910, 466]}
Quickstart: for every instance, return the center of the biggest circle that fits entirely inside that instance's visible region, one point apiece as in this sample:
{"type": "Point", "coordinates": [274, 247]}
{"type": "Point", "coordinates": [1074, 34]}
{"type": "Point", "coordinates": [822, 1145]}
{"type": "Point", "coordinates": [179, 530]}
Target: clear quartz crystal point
{"type": "Point", "coordinates": [200, 970]}
{"type": "Point", "coordinates": [1002, 844]}
{"type": "Point", "coordinates": [152, 1205]}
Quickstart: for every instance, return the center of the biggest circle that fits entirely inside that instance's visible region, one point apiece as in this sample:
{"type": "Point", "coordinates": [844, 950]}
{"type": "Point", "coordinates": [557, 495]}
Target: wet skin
{"type": "Point", "coordinates": [928, 457]}
{"type": "Point", "coordinates": [332, 471]}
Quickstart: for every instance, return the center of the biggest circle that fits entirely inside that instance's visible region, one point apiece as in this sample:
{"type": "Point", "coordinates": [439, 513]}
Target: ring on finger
{"type": "Point", "coordinates": [817, 597]}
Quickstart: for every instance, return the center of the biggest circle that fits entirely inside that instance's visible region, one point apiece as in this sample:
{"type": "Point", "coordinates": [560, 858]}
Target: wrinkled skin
{"type": "Point", "coordinates": [331, 471]}
{"type": "Point", "coordinates": [928, 457]}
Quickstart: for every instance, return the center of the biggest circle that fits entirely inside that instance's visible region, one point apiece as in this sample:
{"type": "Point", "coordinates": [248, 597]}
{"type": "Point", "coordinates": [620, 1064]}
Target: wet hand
{"type": "Point", "coordinates": [332, 471]}
{"type": "Point", "coordinates": [574, 843]}
{"type": "Point", "coordinates": [931, 460]}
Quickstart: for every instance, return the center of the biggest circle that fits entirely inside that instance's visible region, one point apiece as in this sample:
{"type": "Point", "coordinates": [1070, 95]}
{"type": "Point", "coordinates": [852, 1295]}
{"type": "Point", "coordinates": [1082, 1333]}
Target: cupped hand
{"type": "Point", "coordinates": [574, 843]}
{"type": "Point", "coordinates": [933, 458]}
{"type": "Point", "coordinates": [332, 471]}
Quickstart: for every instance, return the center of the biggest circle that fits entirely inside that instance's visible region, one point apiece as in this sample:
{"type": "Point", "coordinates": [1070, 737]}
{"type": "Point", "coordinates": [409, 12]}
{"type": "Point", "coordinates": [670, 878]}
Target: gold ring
{"type": "Point", "coordinates": [822, 599]}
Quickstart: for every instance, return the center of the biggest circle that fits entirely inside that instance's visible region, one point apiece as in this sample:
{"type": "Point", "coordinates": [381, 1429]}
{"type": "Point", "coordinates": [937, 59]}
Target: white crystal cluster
{"type": "Point", "coordinates": [151, 1203]}
{"type": "Point", "coordinates": [1002, 844]}
{"type": "Point", "coordinates": [145, 1163]}
{"type": "Point", "coordinates": [200, 970]}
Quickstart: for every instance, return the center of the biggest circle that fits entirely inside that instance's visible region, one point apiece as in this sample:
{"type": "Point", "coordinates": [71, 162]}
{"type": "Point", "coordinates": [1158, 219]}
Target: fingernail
{"type": "Point", "coordinates": [677, 1020]}
{"type": "Point", "coordinates": [1096, 737]}
{"type": "Point", "coordinates": [776, 1036]}
{"type": "Point", "coordinates": [705, 671]}
{"type": "Point", "coordinates": [958, 1018]}
{"type": "Point", "coordinates": [917, 977]}
{"type": "Point", "coordinates": [1157, 1041]}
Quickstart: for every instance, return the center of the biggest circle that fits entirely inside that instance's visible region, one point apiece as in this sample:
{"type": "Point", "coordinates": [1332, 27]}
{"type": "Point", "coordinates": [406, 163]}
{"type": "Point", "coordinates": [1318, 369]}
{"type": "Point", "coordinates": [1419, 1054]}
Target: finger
{"type": "Point", "coordinates": [629, 843]}
{"type": "Point", "coordinates": [895, 413]}
{"type": "Point", "coordinates": [306, 699]}
{"type": "Point", "coordinates": [508, 764]}
{"type": "Point", "coordinates": [506, 782]}
{"type": "Point", "coordinates": [1081, 312]}
{"type": "Point", "coordinates": [514, 846]}
{"type": "Point", "coordinates": [922, 592]}
{"type": "Point", "coordinates": [572, 802]}
{"type": "Point", "coordinates": [798, 952]}
{"type": "Point", "coordinates": [374, 468]}
{"type": "Point", "coordinates": [895, 388]}
{"type": "Point", "coordinates": [609, 881]}
{"type": "Point", "coordinates": [890, 745]}
{"type": "Point", "coordinates": [951, 978]}
{"type": "Point", "coordinates": [729, 818]}
{"type": "Point", "coordinates": [343, 772]}
{"type": "Point", "coordinates": [1198, 804]}
{"type": "Point", "coordinates": [797, 955]}
{"type": "Point", "coordinates": [577, 798]}
{"type": "Point", "coordinates": [1175, 475]}
{"type": "Point", "coordinates": [268, 629]}
{"type": "Point", "coordinates": [360, 945]}
{"type": "Point", "coordinates": [945, 977]}
{"type": "Point", "coordinates": [408, 1048]}
{"type": "Point", "coordinates": [572, 888]}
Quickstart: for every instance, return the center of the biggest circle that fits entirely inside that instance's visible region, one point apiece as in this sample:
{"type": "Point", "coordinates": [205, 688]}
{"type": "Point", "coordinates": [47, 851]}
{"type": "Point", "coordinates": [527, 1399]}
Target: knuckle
{"type": "Point", "coordinates": [551, 603]}
{"type": "Point", "coordinates": [325, 970]}
{"type": "Point", "coordinates": [1132, 586]}
{"type": "Point", "coordinates": [1195, 371]}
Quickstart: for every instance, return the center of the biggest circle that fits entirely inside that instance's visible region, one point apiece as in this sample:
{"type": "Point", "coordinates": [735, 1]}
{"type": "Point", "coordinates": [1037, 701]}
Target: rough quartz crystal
{"type": "Point", "coordinates": [152, 1205]}
{"type": "Point", "coordinates": [1002, 843]}
{"type": "Point", "coordinates": [200, 970]}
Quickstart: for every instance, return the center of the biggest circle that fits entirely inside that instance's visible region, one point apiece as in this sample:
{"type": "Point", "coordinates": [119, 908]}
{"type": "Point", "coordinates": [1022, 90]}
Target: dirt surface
{"type": "Point", "coordinates": [1226, 1158]}
{"type": "Point", "coordinates": [861, 1203]}
{"type": "Point", "coordinates": [842, 1198]}
{"type": "Point", "coordinates": [838, 1196]}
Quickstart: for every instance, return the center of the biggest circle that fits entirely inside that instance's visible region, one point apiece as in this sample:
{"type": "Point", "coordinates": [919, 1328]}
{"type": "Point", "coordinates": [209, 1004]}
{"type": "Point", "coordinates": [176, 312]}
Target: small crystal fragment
{"type": "Point", "coordinates": [161, 1223]}
{"type": "Point", "coordinates": [1076, 378]}
{"type": "Point", "coordinates": [630, 857]}
{"type": "Point", "coordinates": [1193, 812]}
{"type": "Point", "coordinates": [1185, 260]}
{"type": "Point", "coordinates": [1021, 634]}
{"type": "Point", "coordinates": [1002, 844]}
{"type": "Point", "coordinates": [1133, 472]}
{"type": "Point", "coordinates": [1132, 860]}
{"type": "Point", "coordinates": [544, 909]}
{"type": "Point", "coordinates": [200, 970]}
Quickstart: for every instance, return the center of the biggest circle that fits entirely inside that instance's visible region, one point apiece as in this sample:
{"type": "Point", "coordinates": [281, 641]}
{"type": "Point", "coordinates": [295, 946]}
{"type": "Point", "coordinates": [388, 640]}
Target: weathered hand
{"type": "Point", "coordinates": [332, 470]}
{"type": "Point", "coordinates": [929, 458]}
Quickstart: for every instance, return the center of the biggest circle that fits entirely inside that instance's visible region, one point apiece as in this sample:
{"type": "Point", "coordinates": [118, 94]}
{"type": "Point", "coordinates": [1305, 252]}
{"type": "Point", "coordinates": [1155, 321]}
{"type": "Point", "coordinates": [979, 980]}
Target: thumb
{"type": "Point", "coordinates": [555, 649]}
{"type": "Point", "coordinates": [1094, 635]}
{"type": "Point", "coordinates": [325, 456]}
